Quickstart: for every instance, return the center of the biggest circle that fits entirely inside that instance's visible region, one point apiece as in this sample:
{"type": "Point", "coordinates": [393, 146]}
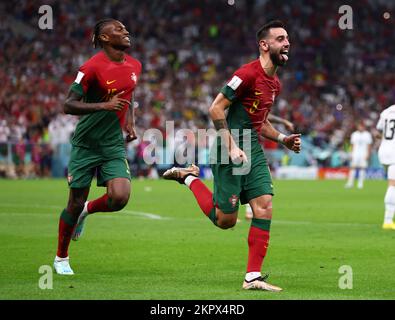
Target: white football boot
{"type": "Point", "coordinates": [62, 266]}
{"type": "Point", "coordinates": [260, 284]}
{"type": "Point", "coordinates": [179, 174]}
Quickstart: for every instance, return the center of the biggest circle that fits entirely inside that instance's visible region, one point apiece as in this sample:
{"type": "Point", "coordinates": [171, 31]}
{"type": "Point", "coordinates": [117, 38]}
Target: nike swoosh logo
{"type": "Point", "coordinates": [109, 82]}
{"type": "Point", "coordinates": [258, 93]}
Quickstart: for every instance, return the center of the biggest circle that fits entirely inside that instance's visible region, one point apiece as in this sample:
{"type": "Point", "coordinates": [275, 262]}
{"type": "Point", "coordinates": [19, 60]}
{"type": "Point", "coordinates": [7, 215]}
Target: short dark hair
{"type": "Point", "coordinates": [97, 29]}
{"type": "Point", "coordinates": [263, 31]}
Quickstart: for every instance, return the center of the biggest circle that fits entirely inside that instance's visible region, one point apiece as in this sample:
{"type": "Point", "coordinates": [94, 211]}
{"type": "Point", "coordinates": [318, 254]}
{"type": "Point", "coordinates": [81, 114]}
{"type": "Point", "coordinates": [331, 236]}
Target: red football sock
{"type": "Point", "coordinates": [66, 227]}
{"type": "Point", "coordinates": [258, 241]}
{"type": "Point", "coordinates": [101, 204]}
{"type": "Point", "coordinates": [203, 196]}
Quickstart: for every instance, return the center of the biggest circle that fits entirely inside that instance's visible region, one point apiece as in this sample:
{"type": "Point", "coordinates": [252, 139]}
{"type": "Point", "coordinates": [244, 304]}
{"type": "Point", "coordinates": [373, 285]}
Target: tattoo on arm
{"type": "Point", "coordinates": [220, 124]}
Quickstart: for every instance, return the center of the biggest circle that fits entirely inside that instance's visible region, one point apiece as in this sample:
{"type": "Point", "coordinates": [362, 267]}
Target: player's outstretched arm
{"type": "Point", "coordinates": [292, 142]}
{"type": "Point", "coordinates": [75, 106]}
{"type": "Point", "coordinates": [217, 114]}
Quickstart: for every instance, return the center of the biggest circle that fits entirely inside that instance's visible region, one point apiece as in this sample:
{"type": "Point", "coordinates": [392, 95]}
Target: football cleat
{"type": "Point", "coordinates": [62, 266]}
{"type": "Point", "coordinates": [179, 174]}
{"type": "Point", "coordinates": [260, 284]}
{"type": "Point", "coordinates": [79, 228]}
{"type": "Point", "coordinates": [389, 226]}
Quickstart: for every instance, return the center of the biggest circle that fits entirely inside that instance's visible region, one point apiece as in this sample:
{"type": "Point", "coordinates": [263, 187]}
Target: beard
{"type": "Point", "coordinates": [277, 59]}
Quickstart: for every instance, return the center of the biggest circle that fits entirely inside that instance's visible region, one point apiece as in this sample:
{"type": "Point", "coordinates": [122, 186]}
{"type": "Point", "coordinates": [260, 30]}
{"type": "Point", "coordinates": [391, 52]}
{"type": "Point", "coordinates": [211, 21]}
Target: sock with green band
{"type": "Point", "coordinates": [102, 204]}
{"type": "Point", "coordinates": [67, 223]}
{"type": "Point", "coordinates": [258, 242]}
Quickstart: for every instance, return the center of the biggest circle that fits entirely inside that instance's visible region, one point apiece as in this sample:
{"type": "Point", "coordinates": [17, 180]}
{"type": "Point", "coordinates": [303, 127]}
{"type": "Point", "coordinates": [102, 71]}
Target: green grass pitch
{"type": "Point", "coordinates": [162, 247]}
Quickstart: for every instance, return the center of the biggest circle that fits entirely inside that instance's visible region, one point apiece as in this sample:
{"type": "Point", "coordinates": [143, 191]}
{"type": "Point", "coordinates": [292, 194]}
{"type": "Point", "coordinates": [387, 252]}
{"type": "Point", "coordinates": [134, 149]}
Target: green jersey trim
{"type": "Point", "coordinates": [229, 93]}
{"type": "Point", "coordinates": [77, 88]}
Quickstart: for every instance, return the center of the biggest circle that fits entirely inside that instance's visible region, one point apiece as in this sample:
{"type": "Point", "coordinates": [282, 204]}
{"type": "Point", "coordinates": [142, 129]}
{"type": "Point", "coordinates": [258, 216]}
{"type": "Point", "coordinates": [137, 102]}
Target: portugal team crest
{"type": "Point", "coordinates": [233, 200]}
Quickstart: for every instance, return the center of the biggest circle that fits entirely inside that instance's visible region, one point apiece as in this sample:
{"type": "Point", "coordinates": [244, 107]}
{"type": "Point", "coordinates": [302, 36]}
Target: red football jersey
{"type": "Point", "coordinates": [98, 80]}
{"type": "Point", "coordinates": [256, 91]}
{"type": "Point", "coordinates": [103, 78]}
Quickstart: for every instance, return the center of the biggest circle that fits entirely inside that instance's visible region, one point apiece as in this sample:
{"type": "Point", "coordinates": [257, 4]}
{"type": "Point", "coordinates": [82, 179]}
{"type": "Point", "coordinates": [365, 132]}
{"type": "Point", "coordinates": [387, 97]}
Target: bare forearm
{"type": "Point", "coordinates": [75, 107]}
{"type": "Point", "coordinates": [218, 117]}
{"type": "Point", "coordinates": [269, 132]}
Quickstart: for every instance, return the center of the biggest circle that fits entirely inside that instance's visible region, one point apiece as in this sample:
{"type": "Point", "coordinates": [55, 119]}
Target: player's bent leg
{"type": "Point", "coordinates": [115, 199]}
{"type": "Point", "coordinates": [77, 205]}
{"type": "Point", "coordinates": [258, 242]}
{"type": "Point", "coordinates": [203, 195]}
{"type": "Point", "coordinates": [118, 191]}
{"type": "Point", "coordinates": [225, 220]}
{"type": "Point", "coordinates": [79, 228]}
{"type": "Point", "coordinates": [190, 177]}
{"type": "Point", "coordinates": [67, 224]}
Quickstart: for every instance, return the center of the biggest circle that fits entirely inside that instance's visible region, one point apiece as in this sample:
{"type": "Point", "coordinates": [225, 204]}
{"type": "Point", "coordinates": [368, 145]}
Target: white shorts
{"type": "Point", "coordinates": [359, 162]}
{"type": "Point", "coordinates": [391, 172]}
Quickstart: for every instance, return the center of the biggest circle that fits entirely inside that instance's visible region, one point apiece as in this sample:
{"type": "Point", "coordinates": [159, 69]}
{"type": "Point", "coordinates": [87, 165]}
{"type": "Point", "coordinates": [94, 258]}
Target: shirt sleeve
{"type": "Point", "coordinates": [238, 85]}
{"type": "Point", "coordinates": [84, 80]}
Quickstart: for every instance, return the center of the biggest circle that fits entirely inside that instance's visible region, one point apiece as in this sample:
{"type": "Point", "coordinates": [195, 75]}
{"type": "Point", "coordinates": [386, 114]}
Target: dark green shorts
{"type": "Point", "coordinates": [86, 163]}
{"type": "Point", "coordinates": [229, 187]}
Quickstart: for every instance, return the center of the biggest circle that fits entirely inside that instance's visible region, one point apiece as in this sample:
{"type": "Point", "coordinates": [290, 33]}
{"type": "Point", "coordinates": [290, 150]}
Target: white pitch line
{"type": "Point", "coordinates": [154, 216]}
{"type": "Point", "coordinates": [147, 215]}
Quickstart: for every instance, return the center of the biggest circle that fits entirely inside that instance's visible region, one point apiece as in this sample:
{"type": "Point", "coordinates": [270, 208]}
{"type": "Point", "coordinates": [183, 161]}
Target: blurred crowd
{"type": "Point", "coordinates": [188, 50]}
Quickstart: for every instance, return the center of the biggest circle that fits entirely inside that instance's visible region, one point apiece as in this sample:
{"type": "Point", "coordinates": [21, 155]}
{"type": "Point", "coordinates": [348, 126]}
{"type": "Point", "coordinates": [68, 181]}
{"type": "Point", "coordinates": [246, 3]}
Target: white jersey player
{"type": "Point", "coordinates": [386, 154]}
{"type": "Point", "coordinates": [361, 142]}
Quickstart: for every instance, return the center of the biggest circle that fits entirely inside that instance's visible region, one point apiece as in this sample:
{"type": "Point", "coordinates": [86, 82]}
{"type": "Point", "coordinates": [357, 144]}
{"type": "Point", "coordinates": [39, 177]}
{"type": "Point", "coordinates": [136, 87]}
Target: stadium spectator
{"type": "Point", "coordinates": [187, 49]}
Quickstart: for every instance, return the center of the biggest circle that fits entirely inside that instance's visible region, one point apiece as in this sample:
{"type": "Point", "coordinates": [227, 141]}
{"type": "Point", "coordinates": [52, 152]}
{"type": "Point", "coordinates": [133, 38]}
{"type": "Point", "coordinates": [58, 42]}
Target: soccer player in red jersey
{"type": "Point", "coordinates": [248, 96]}
{"type": "Point", "coordinates": [102, 95]}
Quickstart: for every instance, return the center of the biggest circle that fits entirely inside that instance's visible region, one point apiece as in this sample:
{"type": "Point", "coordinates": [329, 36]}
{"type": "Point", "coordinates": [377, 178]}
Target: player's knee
{"type": "Point", "coordinates": [119, 201]}
{"type": "Point", "coordinates": [226, 222]}
{"type": "Point", "coordinates": [265, 211]}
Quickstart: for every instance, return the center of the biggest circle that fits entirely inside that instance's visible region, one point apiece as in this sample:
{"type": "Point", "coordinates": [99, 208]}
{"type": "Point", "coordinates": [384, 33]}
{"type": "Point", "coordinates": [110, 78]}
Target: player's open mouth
{"type": "Point", "coordinates": [126, 38]}
{"type": "Point", "coordinates": [284, 54]}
